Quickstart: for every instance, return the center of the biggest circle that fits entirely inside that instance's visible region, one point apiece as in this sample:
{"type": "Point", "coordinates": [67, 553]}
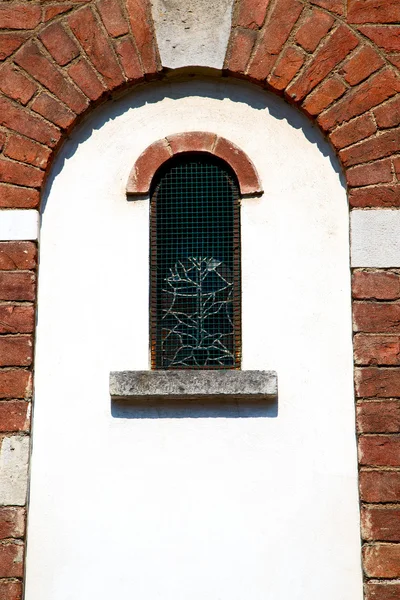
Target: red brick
{"type": "Point", "coordinates": [396, 165]}
{"type": "Point", "coordinates": [376, 172]}
{"type": "Point", "coordinates": [335, 6]}
{"type": "Point", "coordinates": [16, 319]}
{"type": "Point", "coordinates": [376, 317]}
{"type": "Point", "coordinates": [380, 523]}
{"type": "Point", "coordinates": [15, 85]}
{"type": "Point", "coordinates": [52, 110]}
{"type": "Point", "coordinates": [112, 17]}
{"type": "Point", "coordinates": [361, 65]}
{"type": "Point", "coordinates": [14, 172]}
{"type": "Point", "coordinates": [352, 132]}
{"type": "Point", "coordinates": [19, 17]}
{"type": "Point", "coordinates": [382, 560]}
{"type": "Point", "coordinates": [16, 351]}
{"type": "Point", "coordinates": [11, 559]}
{"type": "Point", "coordinates": [278, 26]}
{"type": "Point", "coordinates": [382, 590]}
{"type": "Point", "coordinates": [376, 285]}
{"type": "Point", "coordinates": [18, 197]}
{"type": "Point", "coordinates": [60, 45]}
{"type": "Point", "coordinates": [86, 79]}
{"type": "Point", "coordinates": [9, 42]}
{"type": "Point", "coordinates": [141, 22]}
{"type": "Point", "coordinates": [373, 11]}
{"type": "Point", "coordinates": [377, 349]}
{"type": "Point", "coordinates": [386, 37]}
{"type": "Point", "coordinates": [379, 486]}
{"type": "Point", "coordinates": [17, 286]}
{"type": "Point", "coordinates": [36, 64]}
{"type": "Point", "coordinates": [380, 196]}
{"type": "Point", "coordinates": [2, 140]}
{"type": "Point", "coordinates": [129, 59]}
{"type": "Point", "coordinates": [147, 164]}
{"type": "Point", "coordinates": [27, 151]}
{"type": "Point", "coordinates": [314, 28]}
{"type": "Point", "coordinates": [378, 382]}
{"type": "Point", "coordinates": [372, 92]}
{"type": "Point", "coordinates": [12, 519]}
{"type": "Point", "coordinates": [22, 121]}
{"type": "Point", "coordinates": [388, 115]}
{"type": "Point", "coordinates": [16, 383]}
{"type": "Point", "coordinates": [332, 52]}
{"type": "Point", "coordinates": [394, 59]}
{"type": "Point", "coordinates": [250, 13]}
{"type": "Point", "coordinates": [379, 450]}
{"type": "Point", "coordinates": [53, 11]}
{"type": "Point", "coordinates": [96, 45]}
{"type": "Point", "coordinates": [378, 417]}
{"type": "Point", "coordinates": [10, 590]}
{"type": "Point", "coordinates": [287, 66]}
{"type": "Point", "coordinates": [244, 169]}
{"type": "Point", "coordinates": [14, 416]}
{"type": "Point", "coordinates": [196, 141]}
{"type": "Point", "coordinates": [241, 46]}
{"type": "Point", "coordinates": [17, 255]}
{"type": "Point", "coordinates": [382, 145]}
{"type": "Point", "coordinates": [324, 95]}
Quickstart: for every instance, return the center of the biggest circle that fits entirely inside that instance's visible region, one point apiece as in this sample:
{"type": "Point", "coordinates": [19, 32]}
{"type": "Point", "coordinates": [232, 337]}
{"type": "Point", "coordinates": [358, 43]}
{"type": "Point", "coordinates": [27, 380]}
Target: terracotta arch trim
{"type": "Point", "coordinates": [156, 154]}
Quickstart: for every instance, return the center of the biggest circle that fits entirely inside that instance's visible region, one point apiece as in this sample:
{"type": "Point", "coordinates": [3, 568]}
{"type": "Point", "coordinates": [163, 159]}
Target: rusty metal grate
{"type": "Point", "coordinates": [195, 265]}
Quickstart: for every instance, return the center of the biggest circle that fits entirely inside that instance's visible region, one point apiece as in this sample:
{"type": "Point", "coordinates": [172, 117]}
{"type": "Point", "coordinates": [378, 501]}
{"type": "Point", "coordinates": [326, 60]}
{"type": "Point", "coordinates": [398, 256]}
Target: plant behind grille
{"type": "Point", "coordinates": [195, 268]}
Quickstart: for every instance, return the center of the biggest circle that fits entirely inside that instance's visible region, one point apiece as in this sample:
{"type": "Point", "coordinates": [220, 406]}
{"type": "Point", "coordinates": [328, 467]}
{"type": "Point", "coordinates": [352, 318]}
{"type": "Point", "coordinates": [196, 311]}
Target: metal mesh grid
{"type": "Point", "coordinates": [195, 265]}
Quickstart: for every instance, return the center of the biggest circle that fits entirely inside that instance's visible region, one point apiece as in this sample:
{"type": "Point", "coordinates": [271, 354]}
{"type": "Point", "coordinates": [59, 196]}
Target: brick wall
{"type": "Point", "coordinates": [338, 62]}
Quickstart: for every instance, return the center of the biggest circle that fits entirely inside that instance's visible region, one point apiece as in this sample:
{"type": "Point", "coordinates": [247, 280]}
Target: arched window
{"type": "Point", "coordinates": [195, 264]}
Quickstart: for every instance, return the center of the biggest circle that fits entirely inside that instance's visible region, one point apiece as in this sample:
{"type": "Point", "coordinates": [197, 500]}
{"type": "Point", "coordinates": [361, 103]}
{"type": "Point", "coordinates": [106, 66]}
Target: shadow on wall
{"type": "Point", "coordinates": [218, 89]}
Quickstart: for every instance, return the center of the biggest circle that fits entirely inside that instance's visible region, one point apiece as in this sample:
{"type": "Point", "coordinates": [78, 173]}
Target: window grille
{"type": "Point", "coordinates": [195, 265]}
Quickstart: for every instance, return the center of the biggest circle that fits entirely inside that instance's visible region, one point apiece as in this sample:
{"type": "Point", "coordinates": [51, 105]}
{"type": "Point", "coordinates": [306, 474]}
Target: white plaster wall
{"type": "Point", "coordinates": [200, 504]}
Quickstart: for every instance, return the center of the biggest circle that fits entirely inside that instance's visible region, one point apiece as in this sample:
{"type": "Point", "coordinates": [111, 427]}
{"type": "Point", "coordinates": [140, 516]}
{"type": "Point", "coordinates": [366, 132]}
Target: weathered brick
{"type": "Point", "coordinates": [314, 28]}
{"type": "Point", "coordinates": [376, 285]}
{"type": "Point", "coordinates": [18, 197]}
{"type": "Point", "coordinates": [362, 65]}
{"type": "Point", "coordinates": [128, 58]}
{"type": "Point", "coordinates": [394, 59]}
{"type": "Point", "coordinates": [22, 121]}
{"type": "Point", "coordinates": [382, 560]}
{"type": "Point", "coordinates": [141, 22]}
{"type": "Point", "coordinates": [278, 26]}
{"type": "Point", "coordinates": [15, 85]}
{"type": "Point", "coordinates": [331, 53]}
{"type": "Point", "coordinates": [382, 145]}
{"type": "Point", "coordinates": [16, 319]}
{"type": "Point", "coordinates": [376, 317]}
{"type": "Point", "coordinates": [379, 486]}
{"type": "Point", "coordinates": [10, 589]}
{"type": "Point", "coordinates": [370, 174]}
{"type": "Point", "coordinates": [16, 350]}
{"type": "Point", "coordinates": [112, 17]}
{"type": "Point", "coordinates": [372, 92]}
{"type": "Point", "coordinates": [15, 383]}
{"type": "Point", "coordinates": [379, 196]}
{"type": "Point", "coordinates": [250, 13]}
{"type": "Point", "coordinates": [373, 11]}
{"type": "Point", "coordinates": [352, 132]}
{"type": "Point", "coordinates": [11, 559]}
{"type": "Point", "coordinates": [19, 17]}
{"type": "Point", "coordinates": [286, 67]}
{"type": "Point", "coordinates": [3, 139]}
{"type": "Point", "coordinates": [86, 79]}
{"type": "Point", "coordinates": [336, 6]}
{"type": "Point", "coordinates": [241, 46]}
{"type": "Point", "coordinates": [27, 151]}
{"type": "Point", "coordinates": [379, 450]}
{"type": "Point", "coordinates": [17, 255]}
{"type": "Point", "coordinates": [386, 37]}
{"type": "Point", "coordinates": [388, 115]}
{"type": "Point", "coordinates": [382, 590]}
{"type": "Point", "coordinates": [324, 95]}
{"type": "Point", "coordinates": [380, 523]}
{"type": "Point", "coordinates": [30, 58]}
{"type": "Point", "coordinates": [376, 349]}
{"type": "Point", "coordinates": [49, 12]}
{"type": "Point", "coordinates": [9, 43]}
{"type": "Point", "coordinates": [96, 45]}
{"type": "Point", "coordinates": [14, 172]}
{"type": "Point", "coordinates": [378, 417]}
{"type": "Point", "coordinates": [12, 520]}
{"type": "Point", "coordinates": [52, 110]}
{"type": "Point", "coordinates": [17, 286]}
{"type": "Point", "coordinates": [60, 45]}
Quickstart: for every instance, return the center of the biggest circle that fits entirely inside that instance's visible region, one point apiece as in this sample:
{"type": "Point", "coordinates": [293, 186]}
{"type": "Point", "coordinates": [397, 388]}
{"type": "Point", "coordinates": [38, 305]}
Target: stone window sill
{"type": "Point", "coordinates": [184, 385]}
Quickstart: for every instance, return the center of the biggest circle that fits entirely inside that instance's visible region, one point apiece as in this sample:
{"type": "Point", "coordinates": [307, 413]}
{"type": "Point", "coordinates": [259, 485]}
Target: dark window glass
{"type": "Point", "coordinates": [195, 265]}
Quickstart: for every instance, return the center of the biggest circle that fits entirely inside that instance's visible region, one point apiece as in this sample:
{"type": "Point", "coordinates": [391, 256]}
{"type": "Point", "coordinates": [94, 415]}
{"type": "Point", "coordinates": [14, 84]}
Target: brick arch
{"type": "Point", "coordinates": [155, 155]}
{"type": "Point", "coordinates": [338, 61]}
